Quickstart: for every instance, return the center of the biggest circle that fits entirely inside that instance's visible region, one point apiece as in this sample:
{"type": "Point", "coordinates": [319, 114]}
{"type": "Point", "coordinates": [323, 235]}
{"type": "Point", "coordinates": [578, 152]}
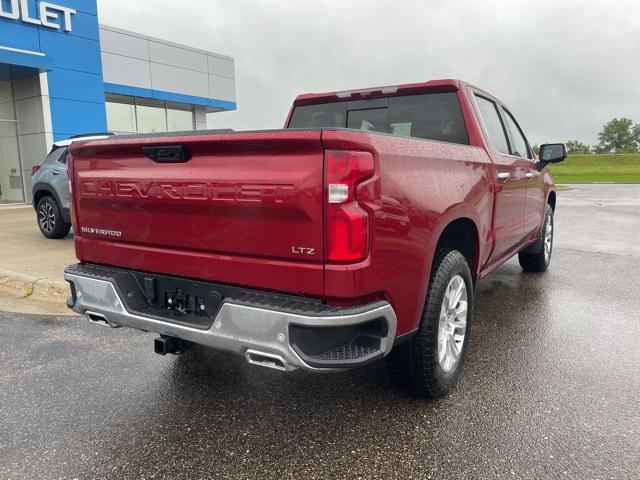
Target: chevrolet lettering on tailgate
{"type": "Point", "coordinates": [226, 192]}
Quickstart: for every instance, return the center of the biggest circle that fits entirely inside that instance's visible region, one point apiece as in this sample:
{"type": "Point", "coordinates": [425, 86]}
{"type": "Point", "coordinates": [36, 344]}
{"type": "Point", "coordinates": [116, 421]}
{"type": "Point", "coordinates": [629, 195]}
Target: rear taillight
{"type": "Point", "coordinates": [69, 163]}
{"type": "Point", "coordinates": [72, 206]}
{"type": "Point", "coordinates": [347, 220]}
{"type": "Point", "coordinates": [34, 169]}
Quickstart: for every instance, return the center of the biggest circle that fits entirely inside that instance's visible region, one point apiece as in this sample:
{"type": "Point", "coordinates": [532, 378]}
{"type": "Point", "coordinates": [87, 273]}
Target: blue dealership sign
{"type": "Point", "coordinates": [60, 37]}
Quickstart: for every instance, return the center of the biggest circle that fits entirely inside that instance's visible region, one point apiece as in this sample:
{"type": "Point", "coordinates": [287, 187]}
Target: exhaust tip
{"type": "Point", "coordinates": [268, 360]}
{"type": "Point", "coordinates": [99, 319]}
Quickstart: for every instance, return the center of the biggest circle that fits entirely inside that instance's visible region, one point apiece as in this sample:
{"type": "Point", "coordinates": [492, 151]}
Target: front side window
{"type": "Point", "coordinates": [518, 144]}
{"type": "Point", "coordinates": [433, 116]}
{"type": "Point", "coordinates": [493, 124]}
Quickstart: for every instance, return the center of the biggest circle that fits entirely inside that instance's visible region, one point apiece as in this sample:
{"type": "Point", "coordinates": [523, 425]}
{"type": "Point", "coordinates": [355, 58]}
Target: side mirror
{"type": "Point", "coordinates": [552, 153]}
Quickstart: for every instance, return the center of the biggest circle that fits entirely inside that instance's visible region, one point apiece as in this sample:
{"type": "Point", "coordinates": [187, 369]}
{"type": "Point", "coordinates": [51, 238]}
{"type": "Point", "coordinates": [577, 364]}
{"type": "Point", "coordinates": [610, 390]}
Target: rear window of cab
{"type": "Point", "coordinates": [432, 116]}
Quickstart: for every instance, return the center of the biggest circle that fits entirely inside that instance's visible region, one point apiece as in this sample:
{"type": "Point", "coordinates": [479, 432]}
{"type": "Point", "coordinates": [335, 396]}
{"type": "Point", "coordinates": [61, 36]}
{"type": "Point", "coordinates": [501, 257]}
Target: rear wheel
{"type": "Point", "coordinates": [536, 258]}
{"type": "Point", "coordinates": [430, 363]}
{"type": "Point", "coordinates": [50, 220]}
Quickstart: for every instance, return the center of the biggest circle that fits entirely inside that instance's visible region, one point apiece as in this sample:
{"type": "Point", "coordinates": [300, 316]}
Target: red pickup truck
{"type": "Point", "coordinates": [357, 232]}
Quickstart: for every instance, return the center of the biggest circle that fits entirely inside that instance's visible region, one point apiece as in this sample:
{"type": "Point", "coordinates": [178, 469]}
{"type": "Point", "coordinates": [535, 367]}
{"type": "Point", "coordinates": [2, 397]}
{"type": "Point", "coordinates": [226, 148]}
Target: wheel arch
{"type": "Point", "coordinates": [551, 199]}
{"type": "Point", "coordinates": [457, 229]}
{"type": "Point", "coordinates": [41, 190]}
{"type": "Point", "coordinates": [461, 234]}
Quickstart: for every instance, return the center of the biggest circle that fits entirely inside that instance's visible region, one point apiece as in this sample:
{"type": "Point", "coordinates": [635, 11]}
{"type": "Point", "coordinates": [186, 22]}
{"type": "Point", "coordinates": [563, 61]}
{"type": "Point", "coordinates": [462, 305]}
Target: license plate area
{"type": "Point", "coordinates": [173, 299]}
{"type": "Point", "coordinates": [183, 303]}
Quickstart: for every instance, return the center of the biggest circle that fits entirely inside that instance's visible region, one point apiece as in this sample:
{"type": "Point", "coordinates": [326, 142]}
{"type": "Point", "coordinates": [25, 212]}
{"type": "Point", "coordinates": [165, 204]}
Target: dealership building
{"type": "Point", "coordinates": [62, 73]}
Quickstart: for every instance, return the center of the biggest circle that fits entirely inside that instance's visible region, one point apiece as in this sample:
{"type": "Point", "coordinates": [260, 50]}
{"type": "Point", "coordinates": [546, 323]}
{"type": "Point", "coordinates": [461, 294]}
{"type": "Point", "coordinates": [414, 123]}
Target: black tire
{"type": "Point", "coordinates": [415, 363]}
{"type": "Point", "coordinates": [534, 258]}
{"type": "Point", "coordinates": [50, 220]}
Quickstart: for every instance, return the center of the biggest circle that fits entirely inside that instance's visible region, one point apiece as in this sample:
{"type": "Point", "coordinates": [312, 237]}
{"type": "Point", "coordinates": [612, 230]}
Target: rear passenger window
{"type": "Point", "coordinates": [58, 155]}
{"type": "Point", "coordinates": [493, 124]}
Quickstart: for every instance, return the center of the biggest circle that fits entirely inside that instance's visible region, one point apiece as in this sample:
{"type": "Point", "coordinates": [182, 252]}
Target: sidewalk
{"type": "Point", "coordinates": [30, 264]}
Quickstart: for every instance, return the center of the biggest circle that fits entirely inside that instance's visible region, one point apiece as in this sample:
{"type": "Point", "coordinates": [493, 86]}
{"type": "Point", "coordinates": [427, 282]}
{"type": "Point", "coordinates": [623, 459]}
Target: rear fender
{"type": "Point", "coordinates": [39, 189]}
{"type": "Point", "coordinates": [455, 212]}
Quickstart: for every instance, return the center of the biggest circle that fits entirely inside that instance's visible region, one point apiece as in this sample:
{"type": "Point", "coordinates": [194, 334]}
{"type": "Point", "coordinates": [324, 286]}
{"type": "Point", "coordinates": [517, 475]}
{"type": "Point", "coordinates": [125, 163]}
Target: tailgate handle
{"type": "Point", "coordinates": [167, 154]}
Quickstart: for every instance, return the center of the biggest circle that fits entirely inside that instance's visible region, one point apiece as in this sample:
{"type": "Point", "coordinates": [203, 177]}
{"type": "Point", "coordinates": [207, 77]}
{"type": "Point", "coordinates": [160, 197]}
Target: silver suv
{"type": "Point", "coordinates": [50, 186]}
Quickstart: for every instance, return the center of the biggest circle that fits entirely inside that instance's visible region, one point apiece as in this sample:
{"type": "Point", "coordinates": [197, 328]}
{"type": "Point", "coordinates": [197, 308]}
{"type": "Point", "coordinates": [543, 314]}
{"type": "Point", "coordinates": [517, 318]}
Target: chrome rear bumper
{"type": "Point", "coordinates": [264, 335]}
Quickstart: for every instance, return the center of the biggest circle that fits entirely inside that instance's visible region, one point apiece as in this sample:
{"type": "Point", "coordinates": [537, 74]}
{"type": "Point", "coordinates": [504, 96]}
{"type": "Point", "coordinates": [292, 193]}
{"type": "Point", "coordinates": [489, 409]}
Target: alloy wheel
{"type": "Point", "coordinates": [46, 217]}
{"type": "Point", "coordinates": [548, 239]}
{"type": "Point", "coordinates": [452, 325]}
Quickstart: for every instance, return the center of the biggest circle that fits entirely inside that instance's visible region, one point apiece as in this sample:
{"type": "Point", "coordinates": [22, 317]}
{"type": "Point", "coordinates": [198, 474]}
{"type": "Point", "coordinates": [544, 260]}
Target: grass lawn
{"type": "Point", "coordinates": [624, 168]}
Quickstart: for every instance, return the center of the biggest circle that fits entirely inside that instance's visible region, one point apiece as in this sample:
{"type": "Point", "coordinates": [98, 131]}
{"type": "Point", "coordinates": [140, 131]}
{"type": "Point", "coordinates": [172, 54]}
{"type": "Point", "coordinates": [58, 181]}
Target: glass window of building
{"type": "Point", "coordinates": [179, 119]}
{"type": "Point", "coordinates": [136, 115]}
{"type": "Point", "coordinates": [121, 117]}
{"type": "Point", "coordinates": [151, 118]}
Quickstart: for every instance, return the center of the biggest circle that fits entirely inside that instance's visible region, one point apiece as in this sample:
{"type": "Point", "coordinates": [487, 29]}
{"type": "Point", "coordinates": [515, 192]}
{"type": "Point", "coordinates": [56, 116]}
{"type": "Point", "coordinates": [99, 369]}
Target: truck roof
{"type": "Point", "coordinates": [446, 84]}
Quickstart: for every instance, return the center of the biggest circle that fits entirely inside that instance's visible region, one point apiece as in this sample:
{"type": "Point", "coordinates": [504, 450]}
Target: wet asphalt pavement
{"type": "Point", "coordinates": [551, 387]}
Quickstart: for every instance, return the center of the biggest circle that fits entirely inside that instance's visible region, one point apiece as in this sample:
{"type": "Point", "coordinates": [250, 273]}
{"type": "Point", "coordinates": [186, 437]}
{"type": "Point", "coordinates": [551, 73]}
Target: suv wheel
{"type": "Point", "coordinates": [50, 220]}
{"type": "Point", "coordinates": [430, 363]}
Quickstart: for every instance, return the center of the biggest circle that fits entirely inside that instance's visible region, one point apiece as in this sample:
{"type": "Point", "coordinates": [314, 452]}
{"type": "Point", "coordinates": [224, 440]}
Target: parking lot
{"type": "Point", "coordinates": [550, 387]}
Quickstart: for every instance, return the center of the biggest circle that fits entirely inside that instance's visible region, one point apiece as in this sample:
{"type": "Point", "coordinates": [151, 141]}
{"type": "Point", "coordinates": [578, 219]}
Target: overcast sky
{"type": "Point", "coordinates": [563, 67]}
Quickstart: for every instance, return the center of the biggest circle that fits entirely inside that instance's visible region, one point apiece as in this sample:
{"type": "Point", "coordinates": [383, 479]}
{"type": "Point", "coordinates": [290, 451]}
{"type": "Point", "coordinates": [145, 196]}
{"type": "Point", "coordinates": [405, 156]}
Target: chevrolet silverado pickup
{"type": "Point", "coordinates": [357, 232]}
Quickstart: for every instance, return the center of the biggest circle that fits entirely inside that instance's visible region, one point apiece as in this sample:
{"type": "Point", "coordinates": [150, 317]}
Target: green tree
{"type": "Point", "coordinates": [616, 136]}
{"type": "Point", "coordinates": [627, 150]}
{"type": "Point", "coordinates": [597, 149]}
{"type": "Point", "coordinates": [574, 147]}
{"type": "Point", "coordinates": [635, 132]}
{"type": "Point", "coordinates": [536, 149]}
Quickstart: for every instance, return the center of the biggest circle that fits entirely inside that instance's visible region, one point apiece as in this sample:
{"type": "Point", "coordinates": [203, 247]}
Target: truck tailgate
{"type": "Point", "coordinates": [241, 199]}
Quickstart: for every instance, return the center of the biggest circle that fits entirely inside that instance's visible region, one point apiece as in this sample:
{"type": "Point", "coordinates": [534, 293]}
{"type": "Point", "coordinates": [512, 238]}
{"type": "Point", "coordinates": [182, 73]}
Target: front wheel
{"type": "Point", "coordinates": [431, 362]}
{"type": "Point", "coordinates": [536, 258]}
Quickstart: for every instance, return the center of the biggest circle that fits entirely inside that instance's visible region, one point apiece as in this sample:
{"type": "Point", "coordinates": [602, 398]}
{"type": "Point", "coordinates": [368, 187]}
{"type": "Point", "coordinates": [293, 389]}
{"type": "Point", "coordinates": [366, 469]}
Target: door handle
{"type": "Point", "coordinates": [55, 172]}
{"type": "Point", "coordinates": [531, 175]}
{"type": "Point", "coordinates": [504, 176]}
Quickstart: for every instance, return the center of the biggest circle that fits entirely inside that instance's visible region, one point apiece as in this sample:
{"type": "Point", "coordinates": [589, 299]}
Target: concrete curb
{"type": "Point", "coordinates": [32, 286]}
